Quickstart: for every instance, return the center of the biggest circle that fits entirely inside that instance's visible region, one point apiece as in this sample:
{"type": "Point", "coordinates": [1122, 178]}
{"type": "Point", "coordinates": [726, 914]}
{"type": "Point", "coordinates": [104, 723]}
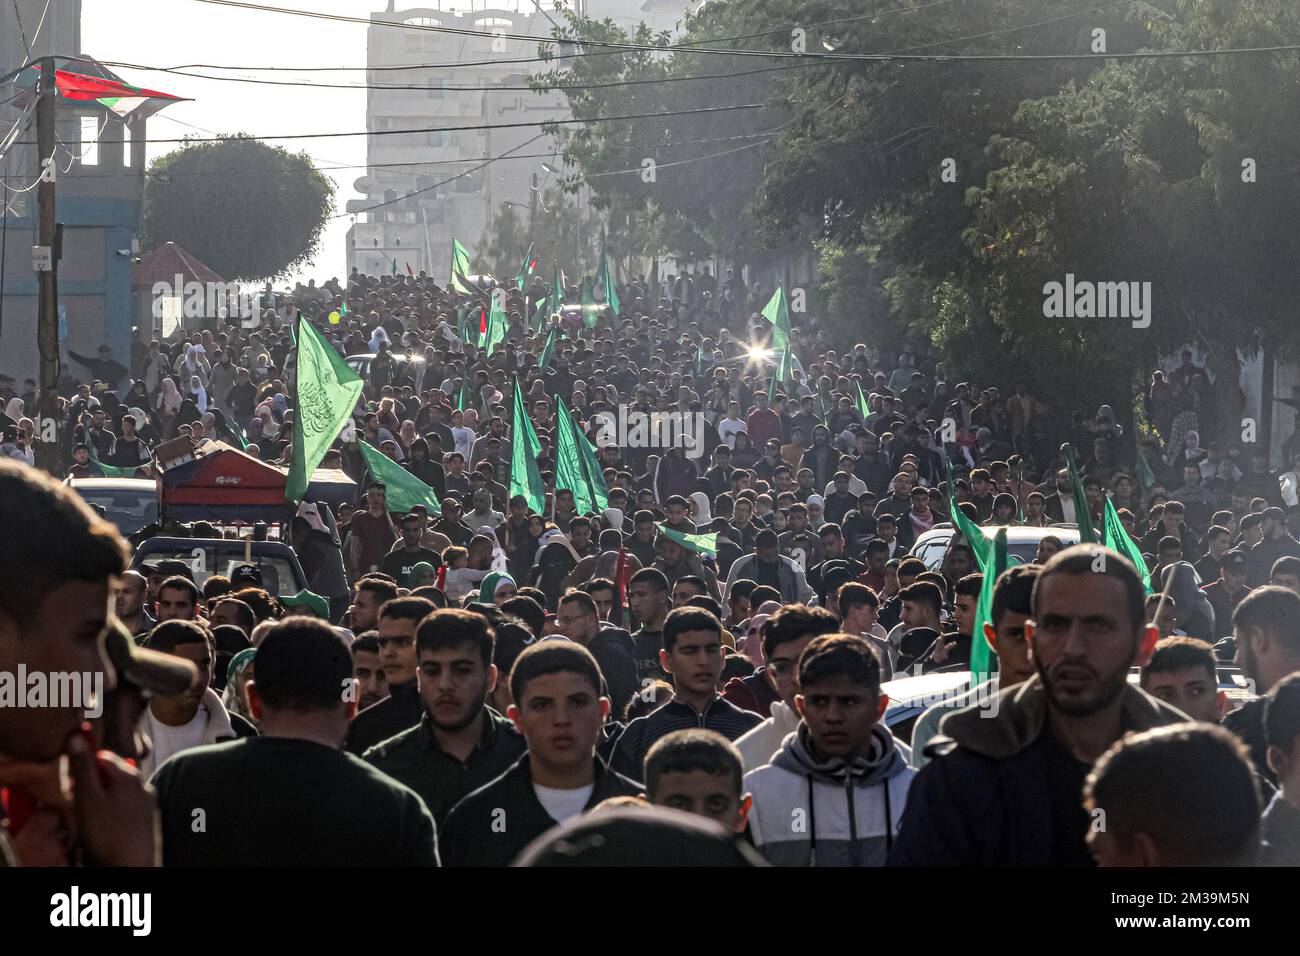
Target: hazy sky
{"type": "Point", "coordinates": [175, 32]}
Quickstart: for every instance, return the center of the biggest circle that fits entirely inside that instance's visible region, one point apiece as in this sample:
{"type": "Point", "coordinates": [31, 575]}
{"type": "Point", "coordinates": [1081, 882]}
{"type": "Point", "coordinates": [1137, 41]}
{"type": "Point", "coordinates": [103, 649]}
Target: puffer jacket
{"type": "Point", "coordinates": [812, 812]}
{"type": "Point", "coordinates": [984, 799]}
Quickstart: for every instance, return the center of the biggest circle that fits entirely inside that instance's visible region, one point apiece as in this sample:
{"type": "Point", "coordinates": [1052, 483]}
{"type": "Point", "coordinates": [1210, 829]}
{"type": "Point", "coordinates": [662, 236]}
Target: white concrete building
{"type": "Point", "coordinates": [464, 80]}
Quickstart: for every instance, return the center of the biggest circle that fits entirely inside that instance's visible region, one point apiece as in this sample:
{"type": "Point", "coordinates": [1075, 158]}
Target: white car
{"type": "Point", "coordinates": [1022, 542]}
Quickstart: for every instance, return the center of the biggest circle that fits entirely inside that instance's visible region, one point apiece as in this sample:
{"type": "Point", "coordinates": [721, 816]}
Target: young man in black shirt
{"type": "Point", "coordinates": [311, 804]}
{"type": "Point", "coordinates": [398, 564]}
{"type": "Point", "coordinates": [693, 655]}
{"type": "Point", "coordinates": [460, 743]}
{"type": "Point", "coordinates": [398, 620]}
{"type": "Point", "coordinates": [650, 600]}
{"type": "Point", "coordinates": [559, 710]}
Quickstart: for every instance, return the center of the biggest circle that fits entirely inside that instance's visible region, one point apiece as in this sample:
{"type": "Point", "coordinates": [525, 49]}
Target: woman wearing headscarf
{"type": "Point", "coordinates": [238, 674]}
{"type": "Point", "coordinates": [1193, 612]}
{"type": "Point", "coordinates": [816, 512]}
{"type": "Point", "coordinates": [315, 539]}
{"type": "Point", "coordinates": [554, 562]}
{"type": "Point", "coordinates": [526, 548]}
{"type": "Point", "coordinates": [13, 413]}
{"type": "Point", "coordinates": [743, 455]}
{"type": "Point", "coordinates": [463, 424]}
{"type": "Point", "coordinates": [497, 588]}
{"type": "Point", "coordinates": [701, 512]}
{"type": "Point", "coordinates": [169, 406]}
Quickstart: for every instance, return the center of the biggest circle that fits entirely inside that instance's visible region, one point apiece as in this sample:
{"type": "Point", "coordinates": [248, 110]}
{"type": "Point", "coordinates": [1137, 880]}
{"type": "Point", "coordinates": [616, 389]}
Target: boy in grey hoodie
{"type": "Point", "coordinates": [834, 793]}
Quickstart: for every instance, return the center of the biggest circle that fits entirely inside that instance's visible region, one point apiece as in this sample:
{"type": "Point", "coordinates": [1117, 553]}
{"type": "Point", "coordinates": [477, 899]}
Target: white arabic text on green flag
{"type": "Point", "coordinates": [325, 391]}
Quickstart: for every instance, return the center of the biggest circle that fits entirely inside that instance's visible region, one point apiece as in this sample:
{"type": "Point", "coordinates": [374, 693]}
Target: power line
{"type": "Point", "coordinates": [179, 71]}
{"type": "Point", "coordinates": [444, 182]}
{"type": "Point", "coordinates": [483, 126]}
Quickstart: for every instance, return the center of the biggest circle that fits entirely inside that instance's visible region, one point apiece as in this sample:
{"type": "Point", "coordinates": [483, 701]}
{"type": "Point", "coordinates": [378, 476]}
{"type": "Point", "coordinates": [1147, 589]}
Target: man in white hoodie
{"type": "Point", "coordinates": [834, 793]}
{"type": "Point", "coordinates": [193, 717]}
{"type": "Point", "coordinates": [785, 636]}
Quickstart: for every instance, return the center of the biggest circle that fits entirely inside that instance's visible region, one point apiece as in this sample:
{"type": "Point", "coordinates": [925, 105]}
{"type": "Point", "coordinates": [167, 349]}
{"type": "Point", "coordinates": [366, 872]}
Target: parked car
{"type": "Point", "coordinates": [911, 696]}
{"type": "Point", "coordinates": [129, 503]}
{"type": "Point", "coordinates": [1022, 542]}
{"type": "Point", "coordinates": [282, 575]}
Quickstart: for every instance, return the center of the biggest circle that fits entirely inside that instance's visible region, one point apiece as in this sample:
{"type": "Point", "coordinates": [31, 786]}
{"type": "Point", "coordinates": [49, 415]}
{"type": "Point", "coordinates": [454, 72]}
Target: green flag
{"type": "Point", "coordinates": [606, 278]}
{"type": "Point", "coordinates": [459, 268]}
{"type": "Point", "coordinates": [781, 375]}
{"type": "Point", "coordinates": [110, 471]}
{"type": "Point", "coordinates": [1082, 515]}
{"type": "Point", "coordinates": [778, 313]}
{"type": "Point", "coordinates": [982, 660]}
{"type": "Point", "coordinates": [548, 349]}
{"type": "Point", "coordinates": [404, 490]}
{"type": "Point", "coordinates": [533, 324]}
{"type": "Point", "coordinates": [495, 333]}
{"type": "Point", "coordinates": [861, 403]}
{"type": "Point", "coordinates": [393, 271]}
{"type": "Point", "coordinates": [569, 472]}
{"type": "Point", "coordinates": [525, 449]}
{"type": "Point", "coordinates": [1116, 538]}
{"type": "Point", "coordinates": [526, 268]}
{"type": "Point", "coordinates": [980, 545]}
{"type": "Point", "coordinates": [592, 471]}
{"type": "Point", "coordinates": [462, 399]}
{"type": "Point", "coordinates": [699, 543]}
{"type": "Point", "coordinates": [326, 390]}
{"type": "Point", "coordinates": [1142, 467]}
{"type": "Point", "coordinates": [557, 286]}
{"type": "Point", "coordinates": [589, 306]}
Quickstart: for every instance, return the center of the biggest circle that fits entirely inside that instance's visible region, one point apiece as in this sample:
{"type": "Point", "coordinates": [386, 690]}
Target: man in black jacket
{"type": "Point", "coordinates": [401, 709]}
{"type": "Point", "coordinates": [1277, 543]}
{"type": "Point", "coordinates": [460, 743]}
{"type": "Point", "coordinates": [1004, 786]}
{"type": "Point", "coordinates": [692, 654]}
{"type": "Point", "coordinates": [560, 712]}
{"type": "Point", "coordinates": [1268, 649]}
{"type": "Point", "coordinates": [578, 619]}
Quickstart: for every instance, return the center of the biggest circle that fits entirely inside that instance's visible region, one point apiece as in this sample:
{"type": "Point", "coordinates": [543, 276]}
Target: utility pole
{"type": "Point", "coordinates": [45, 262]}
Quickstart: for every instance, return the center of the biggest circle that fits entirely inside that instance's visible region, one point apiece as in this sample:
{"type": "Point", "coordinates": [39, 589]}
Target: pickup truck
{"type": "Point", "coordinates": [281, 573]}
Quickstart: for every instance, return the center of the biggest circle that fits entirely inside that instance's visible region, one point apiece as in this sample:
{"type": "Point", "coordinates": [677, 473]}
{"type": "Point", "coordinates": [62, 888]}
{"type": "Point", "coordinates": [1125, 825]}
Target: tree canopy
{"type": "Point", "coordinates": [247, 210]}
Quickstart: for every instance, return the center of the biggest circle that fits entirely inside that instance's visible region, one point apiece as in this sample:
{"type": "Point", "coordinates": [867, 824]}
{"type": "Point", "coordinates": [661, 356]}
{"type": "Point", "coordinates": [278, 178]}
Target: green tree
{"type": "Point", "coordinates": [248, 210]}
{"type": "Point", "coordinates": [559, 231]}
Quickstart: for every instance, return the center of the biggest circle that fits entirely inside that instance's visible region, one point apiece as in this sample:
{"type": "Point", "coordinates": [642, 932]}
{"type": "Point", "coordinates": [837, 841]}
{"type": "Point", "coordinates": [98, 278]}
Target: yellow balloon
{"type": "Point", "coordinates": [334, 318]}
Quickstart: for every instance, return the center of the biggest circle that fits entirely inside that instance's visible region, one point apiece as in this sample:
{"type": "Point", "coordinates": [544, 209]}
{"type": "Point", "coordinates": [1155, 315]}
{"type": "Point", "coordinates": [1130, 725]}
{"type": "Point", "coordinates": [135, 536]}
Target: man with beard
{"type": "Point", "coordinates": [1003, 790]}
{"type": "Point", "coordinates": [460, 743]}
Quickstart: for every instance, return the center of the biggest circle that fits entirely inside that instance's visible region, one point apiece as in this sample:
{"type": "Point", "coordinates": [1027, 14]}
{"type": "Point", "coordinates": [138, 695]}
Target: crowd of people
{"type": "Point", "coordinates": [698, 672]}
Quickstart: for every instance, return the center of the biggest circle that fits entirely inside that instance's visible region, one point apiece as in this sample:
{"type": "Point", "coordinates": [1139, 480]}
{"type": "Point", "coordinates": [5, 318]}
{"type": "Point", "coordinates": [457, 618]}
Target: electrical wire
{"type": "Point", "coordinates": [483, 126]}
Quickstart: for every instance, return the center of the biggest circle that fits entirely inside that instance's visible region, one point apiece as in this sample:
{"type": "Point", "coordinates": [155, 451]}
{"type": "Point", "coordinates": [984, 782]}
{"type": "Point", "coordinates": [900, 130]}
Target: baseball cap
{"type": "Point", "coordinates": [1234, 559]}
{"type": "Point", "coordinates": [249, 574]}
{"type": "Point", "coordinates": [310, 600]}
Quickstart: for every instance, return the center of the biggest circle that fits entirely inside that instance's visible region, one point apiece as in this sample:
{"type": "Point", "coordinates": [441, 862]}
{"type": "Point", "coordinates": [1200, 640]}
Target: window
{"type": "Point", "coordinates": [126, 145]}
{"type": "Point", "coordinates": [89, 141]}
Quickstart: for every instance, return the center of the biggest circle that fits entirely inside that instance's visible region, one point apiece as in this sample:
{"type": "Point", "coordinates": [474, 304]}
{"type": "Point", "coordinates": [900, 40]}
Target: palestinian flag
{"type": "Point", "coordinates": [83, 80]}
{"type": "Point", "coordinates": [526, 268]}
